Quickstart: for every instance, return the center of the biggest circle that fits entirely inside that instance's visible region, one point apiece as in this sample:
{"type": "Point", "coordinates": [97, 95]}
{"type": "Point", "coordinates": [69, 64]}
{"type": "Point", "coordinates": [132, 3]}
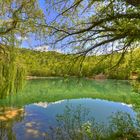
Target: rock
{"type": "Point", "coordinates": [100, 76]}
{"type": "Point", "coordinates": [134, 76]}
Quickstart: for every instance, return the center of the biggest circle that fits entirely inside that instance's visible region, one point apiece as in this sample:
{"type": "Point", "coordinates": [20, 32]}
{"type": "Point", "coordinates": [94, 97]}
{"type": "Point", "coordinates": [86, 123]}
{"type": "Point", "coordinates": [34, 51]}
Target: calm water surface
{"type": "Point", "coordinates": [29, 115]}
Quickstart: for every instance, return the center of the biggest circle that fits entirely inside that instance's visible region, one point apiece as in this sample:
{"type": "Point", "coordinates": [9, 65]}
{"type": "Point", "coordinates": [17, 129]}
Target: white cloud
{"type": "Point", "coordinates": [43, 48]}
{"type": "Point", "coordinates": [45, 104]}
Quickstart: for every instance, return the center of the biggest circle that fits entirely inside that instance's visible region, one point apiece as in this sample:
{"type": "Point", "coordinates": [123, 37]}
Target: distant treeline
{"type": "Point", "coordinates": [113, 66]}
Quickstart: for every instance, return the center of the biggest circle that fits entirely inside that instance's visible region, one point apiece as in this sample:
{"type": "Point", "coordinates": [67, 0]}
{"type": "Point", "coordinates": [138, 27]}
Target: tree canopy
{"type": "Point", "coordinates": [80, 25]}
{"type": "Point", "coordinates": [95, 25]}
{"type": "Point", "coordinates": [19, 19]}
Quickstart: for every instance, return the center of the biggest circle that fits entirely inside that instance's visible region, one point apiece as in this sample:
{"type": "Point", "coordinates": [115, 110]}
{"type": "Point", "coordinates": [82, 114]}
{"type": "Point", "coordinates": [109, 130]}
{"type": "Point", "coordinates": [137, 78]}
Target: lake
{"type": "Point", "coordinates": [44, 105]}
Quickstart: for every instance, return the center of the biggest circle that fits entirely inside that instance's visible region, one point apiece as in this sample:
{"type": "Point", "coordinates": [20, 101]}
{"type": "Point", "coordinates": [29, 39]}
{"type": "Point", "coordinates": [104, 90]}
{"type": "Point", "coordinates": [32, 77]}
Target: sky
{"type": "Point", "coordinates": [31, 41]}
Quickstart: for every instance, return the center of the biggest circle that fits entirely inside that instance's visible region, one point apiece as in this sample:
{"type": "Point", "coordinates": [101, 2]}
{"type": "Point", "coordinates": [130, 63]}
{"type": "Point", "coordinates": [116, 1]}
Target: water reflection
{"type": "Point", "coordinates": [8, 118]}
{"type": "Point", "coordinates": [41, 120]}
{"type": "Point", "coordinates": [73, 125]}
{"type": "Point", "coordinates": [99, 109]}
{"type": "Point", "coordinates": [9, 113]}
{"type": "Point", "coordinates": [52, 90]}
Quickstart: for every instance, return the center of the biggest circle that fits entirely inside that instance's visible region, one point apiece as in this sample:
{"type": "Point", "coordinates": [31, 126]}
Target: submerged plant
{"type": "Point", "coordinates": [75, 124]}
{"type": "Point", "coordinates": [123, 126]}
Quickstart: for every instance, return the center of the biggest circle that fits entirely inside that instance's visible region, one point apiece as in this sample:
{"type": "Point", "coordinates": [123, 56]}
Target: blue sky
{"type": "Point", "coordinates": [32, 42]}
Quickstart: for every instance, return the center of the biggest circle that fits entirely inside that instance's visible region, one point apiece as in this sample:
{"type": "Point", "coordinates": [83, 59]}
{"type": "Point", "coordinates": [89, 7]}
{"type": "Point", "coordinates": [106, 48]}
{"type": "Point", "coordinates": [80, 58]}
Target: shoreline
{"type": "Point", "coordinates": [56, 77]}
{"type": "Point", "coordinates": [40, 77]}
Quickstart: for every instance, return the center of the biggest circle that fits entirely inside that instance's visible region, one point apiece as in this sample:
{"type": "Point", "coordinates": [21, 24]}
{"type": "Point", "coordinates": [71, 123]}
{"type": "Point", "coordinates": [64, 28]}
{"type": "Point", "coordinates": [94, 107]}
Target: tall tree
{"type": "Point", "coordinates": [18, 19]}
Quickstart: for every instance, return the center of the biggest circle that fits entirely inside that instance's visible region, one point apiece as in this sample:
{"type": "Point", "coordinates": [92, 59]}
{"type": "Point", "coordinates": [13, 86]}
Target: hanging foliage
{"type": "Point", "coordinates": [12, 73]}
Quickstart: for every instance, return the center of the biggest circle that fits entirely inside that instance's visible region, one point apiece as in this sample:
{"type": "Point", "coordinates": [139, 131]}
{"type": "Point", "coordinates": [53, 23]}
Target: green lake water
{"type": "Point", "coordinates": [30, 114]}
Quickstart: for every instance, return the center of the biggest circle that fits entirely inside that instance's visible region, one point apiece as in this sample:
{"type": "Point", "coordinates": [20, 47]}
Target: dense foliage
{"type": "Point", "coordinates": [87, 26]}
{"type": "Point", "coordinates": [12, 72]}
{"type": "Point", "coordinates": [17, 20]}
{"type": "Point", "coordinates": [58, 64]}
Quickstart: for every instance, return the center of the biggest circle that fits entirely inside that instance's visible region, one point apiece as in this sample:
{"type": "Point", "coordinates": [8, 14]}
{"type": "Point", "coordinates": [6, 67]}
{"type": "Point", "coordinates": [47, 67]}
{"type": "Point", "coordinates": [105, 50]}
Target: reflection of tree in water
{"type": "Point", "coordinates": [74, 124]}
{"type": "Point", "coordinates": [8, 117]}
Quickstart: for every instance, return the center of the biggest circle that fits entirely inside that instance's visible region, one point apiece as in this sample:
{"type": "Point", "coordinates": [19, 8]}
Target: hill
{"type": "Point", "coordinates": [52, 63]}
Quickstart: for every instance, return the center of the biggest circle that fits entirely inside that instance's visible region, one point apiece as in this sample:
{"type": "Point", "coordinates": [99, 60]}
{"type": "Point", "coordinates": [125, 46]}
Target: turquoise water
{"type": "Point", "coordinates": [32, 113]}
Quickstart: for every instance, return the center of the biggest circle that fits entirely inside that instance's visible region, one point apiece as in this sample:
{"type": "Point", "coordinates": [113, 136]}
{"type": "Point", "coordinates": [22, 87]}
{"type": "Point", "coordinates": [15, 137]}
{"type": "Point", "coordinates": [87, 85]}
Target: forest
{"type": "Point", "coordinates": [51, 63]}
{"type": "Point", "coordinates": [93, 26]}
